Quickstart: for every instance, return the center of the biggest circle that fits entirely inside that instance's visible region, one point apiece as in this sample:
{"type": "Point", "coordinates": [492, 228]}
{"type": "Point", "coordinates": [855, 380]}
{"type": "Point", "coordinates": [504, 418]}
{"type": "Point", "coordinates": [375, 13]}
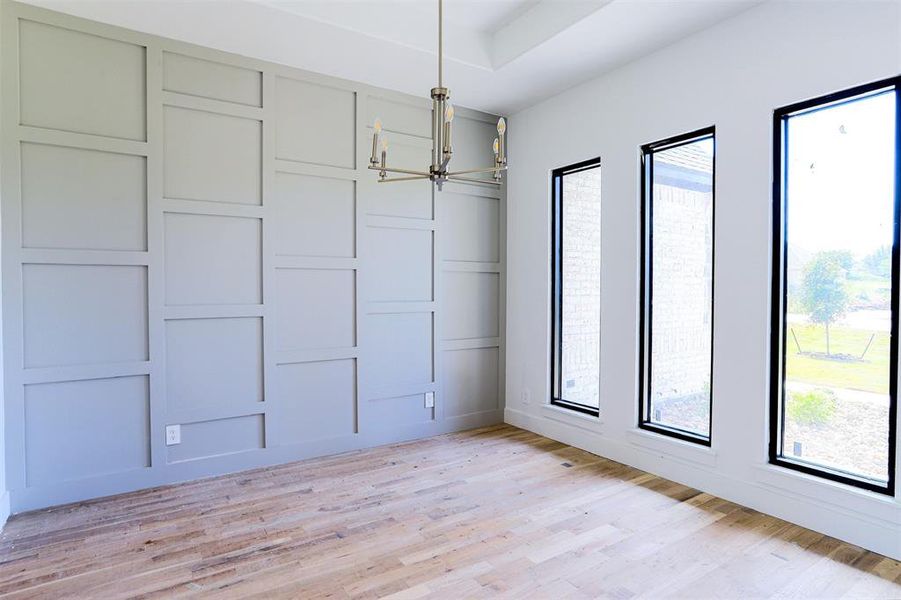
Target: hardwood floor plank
{"type": "Point", "coordinates": [491, 513]}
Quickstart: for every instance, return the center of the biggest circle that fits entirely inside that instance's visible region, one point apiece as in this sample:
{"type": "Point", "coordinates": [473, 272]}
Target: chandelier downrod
{"type": "Point", "coordinates": [442, 147]}
{"type": "Point", "coordinates": [440, 43]}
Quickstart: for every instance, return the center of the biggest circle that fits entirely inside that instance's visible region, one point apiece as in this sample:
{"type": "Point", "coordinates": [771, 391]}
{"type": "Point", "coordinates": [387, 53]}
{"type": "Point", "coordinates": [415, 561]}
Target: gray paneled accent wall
{"type": "Point", "coordinates": [192, 238]}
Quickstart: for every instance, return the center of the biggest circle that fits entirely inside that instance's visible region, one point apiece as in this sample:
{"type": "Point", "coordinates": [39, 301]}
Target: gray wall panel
{"type": "Point", "coordinates": [314, 216]}
{"type": "Point", "coordinates": [216, 438]}
{"type": "Point", "coordinates": [214, 362]}
{"type": "Point", "coordinates": [315, 308]}
{"type": "Point", "coordinates": [470, 225]}
{"type": "Point", "coordinates": [213, 259]}
{"type": "Point", "coordinates": [80, 199]}
{"type": "Point", "coordinates": [317, 123]}
{"type": "Point", "coordinates": [89, 428]}
{"type": "Point", "coordinates": [79, 82]}
{"type": "Point", "coordinates": [470, 381]}
{"type": "Point", "coordinates": [404, 343]}
{"type": "Point", "coordinates": [84, 314]}
{"type": "Point", "coordinates": [211, 157]}
{"type": "Point", "coordinates": [471, 302]}
{"type": "Point", "coordinates": [193, 238]}
{"type": "Point", "coordinates": [413, 118]}
{"type": "Point", "coordinates": [319, 398]}
{"type": "Point", "coordinates": [409, 199]}
{"type": "Point", "coordinates": [400, 411]}
{"type": "Point", "coordinates": [401, 262]}
{"type": "Point", "coordinates": [208, 79]}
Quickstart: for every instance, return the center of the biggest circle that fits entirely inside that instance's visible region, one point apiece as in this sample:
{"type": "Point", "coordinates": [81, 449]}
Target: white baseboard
{"type": "Point", "coordinates": [876, 530]}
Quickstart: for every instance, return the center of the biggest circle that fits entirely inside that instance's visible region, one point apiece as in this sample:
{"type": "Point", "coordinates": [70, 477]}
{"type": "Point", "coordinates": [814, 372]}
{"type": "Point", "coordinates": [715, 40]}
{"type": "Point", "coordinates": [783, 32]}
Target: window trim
{"type": "Point", "coordinates": [779, 291]}
{"type": "Point", "coordinates": [646, 284]}
{"type": "Point", "coordinates": [557, 283]}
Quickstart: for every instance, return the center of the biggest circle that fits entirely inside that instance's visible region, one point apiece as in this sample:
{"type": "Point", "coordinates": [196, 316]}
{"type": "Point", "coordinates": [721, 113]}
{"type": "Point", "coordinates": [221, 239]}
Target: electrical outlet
{"type": "Point", "coordinates": [525, 396]}
{"type": "Point", "coordinates": [430, 399]}
{"type": "Point", "coordinates": [173, 435]}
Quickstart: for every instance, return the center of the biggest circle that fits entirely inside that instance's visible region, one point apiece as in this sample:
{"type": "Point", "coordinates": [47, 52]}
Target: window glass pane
{"type": "Point", "coordinates": [839, 199]}
{"type": "Point", "coordinates": [579, 264]}
{"type": "Point", "coordinates": [681, 279]}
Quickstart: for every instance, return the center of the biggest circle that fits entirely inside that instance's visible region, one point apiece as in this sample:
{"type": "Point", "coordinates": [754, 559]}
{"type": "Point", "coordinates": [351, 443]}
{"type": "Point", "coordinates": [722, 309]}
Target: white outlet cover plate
{"type": "Point", "coordinates": [173, 435]}
{"type": "Point", "coordinates": [430, 399]}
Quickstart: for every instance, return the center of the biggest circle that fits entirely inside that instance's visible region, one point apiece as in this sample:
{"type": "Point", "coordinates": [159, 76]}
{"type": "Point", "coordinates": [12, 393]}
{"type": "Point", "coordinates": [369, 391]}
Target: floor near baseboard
{"type": "Point", "coordinates": [494, 512]}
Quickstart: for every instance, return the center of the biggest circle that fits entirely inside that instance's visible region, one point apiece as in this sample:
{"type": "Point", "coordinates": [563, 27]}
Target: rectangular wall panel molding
{"type": "Point", "coordinates": [192, 238]}
{"type": "Point", "coordinates": [212, 259]}
{"type": "Point", "coordinates": [77, 199]}
{"type": "Point", "coordinates": [316, 123]}
{"type": "Point", "coordinates": [208, 79]}
{"type": "Point", "coordinates": [314, 216]}
{"type": "Point", "coordinates": [84, 314]}
{"type": "Point", "coordinates": [218, 437]}
{"type": "Point", "coordinates": [401, 263]}
{"type": "Point", "coordinates": [320, 400]}
{"type": "Point", "coordinates": [82, 429]}
{"type": "Point", "coordinates": [211, 157]}
{"type": "Point", "coordinates": [216, 363]}
{"type": "Point", "coordinates": [315, 308]}
{"type": "Point", "coordinates": [472, 296]}
{"type": "Point", "coordinates": [80, 82]}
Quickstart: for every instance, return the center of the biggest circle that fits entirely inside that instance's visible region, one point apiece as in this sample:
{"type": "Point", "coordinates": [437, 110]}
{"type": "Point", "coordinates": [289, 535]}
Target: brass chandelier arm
{"type": "Point", "coordinates": [469, 171]}
{"type": "Point", "coordinates": [472, 180]}
{"type": "Point", "coordinates": [412, 178]}
{"type": "Point", "coordinates": [402, 171]}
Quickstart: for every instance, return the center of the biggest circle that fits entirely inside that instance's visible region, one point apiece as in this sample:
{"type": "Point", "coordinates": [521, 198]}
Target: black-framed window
{"type": "Point", "coordinates": [834, 355]}
{"type": "Point", "coordinates": [676, 304]}
{"type": "Point", "coordinates": [576, 286]}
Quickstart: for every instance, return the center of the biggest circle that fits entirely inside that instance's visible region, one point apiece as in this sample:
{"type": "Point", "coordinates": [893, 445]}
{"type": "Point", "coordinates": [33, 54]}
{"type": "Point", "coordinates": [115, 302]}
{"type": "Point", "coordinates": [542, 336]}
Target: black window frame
{"type": "Point", "coordinates": [779, 291]}
{"type": "Point", "coordinates": [556, 398]}
{"type": "Point", "coordinates": [646, 286]}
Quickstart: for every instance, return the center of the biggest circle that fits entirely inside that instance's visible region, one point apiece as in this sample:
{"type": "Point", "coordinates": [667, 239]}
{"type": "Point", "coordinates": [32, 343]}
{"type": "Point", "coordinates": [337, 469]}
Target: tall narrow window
{"type": "Point", "coordinates": [677, 286]}
{"type": "Point", "coordinates": [835, 286]}
{"type": "Point", "coordinates": [576, 273]}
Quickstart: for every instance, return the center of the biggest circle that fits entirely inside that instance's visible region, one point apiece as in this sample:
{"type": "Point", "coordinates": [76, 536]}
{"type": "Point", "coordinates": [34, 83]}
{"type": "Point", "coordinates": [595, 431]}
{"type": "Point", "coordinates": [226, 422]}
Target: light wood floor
{"type": "Point", "coordinates": [496, 512]}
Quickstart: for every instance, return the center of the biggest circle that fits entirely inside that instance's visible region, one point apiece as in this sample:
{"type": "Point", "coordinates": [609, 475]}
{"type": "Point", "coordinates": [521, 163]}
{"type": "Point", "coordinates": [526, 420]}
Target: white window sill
{"type": "Point", "coordinates": [573, 417]}
{"type": "Point", "coordinates": [874, 504]}
{"type": "Point", "coordinates": [673, 447]}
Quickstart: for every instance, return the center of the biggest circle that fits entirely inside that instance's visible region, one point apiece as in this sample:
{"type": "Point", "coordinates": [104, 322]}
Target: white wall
{"type": "Point", "coordinates": [731, 76]}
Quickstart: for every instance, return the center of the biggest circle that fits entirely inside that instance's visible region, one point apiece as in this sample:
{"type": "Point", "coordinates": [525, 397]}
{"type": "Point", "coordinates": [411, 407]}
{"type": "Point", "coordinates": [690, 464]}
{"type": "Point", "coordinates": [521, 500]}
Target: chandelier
{"type": "Point", "coordinates": [442, 147]}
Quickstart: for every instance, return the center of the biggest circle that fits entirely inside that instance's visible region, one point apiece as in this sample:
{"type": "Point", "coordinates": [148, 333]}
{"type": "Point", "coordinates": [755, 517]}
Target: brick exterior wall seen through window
{"type": "Point", "coordinates": [581, 261]}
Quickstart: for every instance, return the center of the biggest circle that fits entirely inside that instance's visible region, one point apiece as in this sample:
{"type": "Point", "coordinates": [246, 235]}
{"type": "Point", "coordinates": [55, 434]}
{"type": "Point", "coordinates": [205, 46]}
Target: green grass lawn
{"type": "Point", "coordinates": [869, 375]}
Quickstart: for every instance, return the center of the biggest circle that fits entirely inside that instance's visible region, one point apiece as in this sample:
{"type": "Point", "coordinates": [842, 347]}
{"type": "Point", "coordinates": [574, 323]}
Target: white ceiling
{"type": "Point", "coordinates": [483, 16]}
{"type": "Point", "coordinates": [500, 55]}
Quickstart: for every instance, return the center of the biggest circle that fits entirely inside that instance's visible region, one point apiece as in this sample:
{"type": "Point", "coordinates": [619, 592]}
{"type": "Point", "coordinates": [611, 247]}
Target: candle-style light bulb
{"type": "Point", "coordinates": [384, 143]}
{"type": "Point", "coordinates": [494, 147]}
{"type": "Point", "coordinates": [501, 146]}
{"type": "Point", "coordinates": [448, 117]}
{"type": "Point", "coordinates": [376, 131]}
